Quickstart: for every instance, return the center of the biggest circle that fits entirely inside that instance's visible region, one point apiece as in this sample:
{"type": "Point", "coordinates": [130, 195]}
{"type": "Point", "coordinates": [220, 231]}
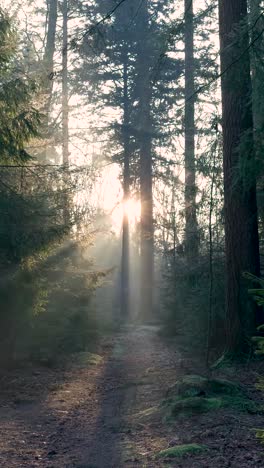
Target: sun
{"type": "Point", "coordinates": [131, 208]}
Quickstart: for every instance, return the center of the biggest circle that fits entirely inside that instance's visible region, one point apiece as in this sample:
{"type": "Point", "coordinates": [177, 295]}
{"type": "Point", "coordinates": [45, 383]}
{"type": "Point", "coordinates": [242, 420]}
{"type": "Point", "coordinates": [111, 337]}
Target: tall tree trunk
{"type": "Point", "coordinates": [48, 61]}
{"type": "Point", "coordinates": [125, 287]}
{"type": "Point", "coordinates": [145, 150]}
{"type": "Point", "coordinates": [241, 223]}
{"type": "Point", "coordinates": [257, 50]}
{"type": "Point", "coordinates": [52, 6]}
{"type": "Point", "coordinates": [147, 228]}
{"type": "Point", "coordinates": [65, 109]}
{"type": "Point", "coordinates": [65, 92]}
{"type": "Point", "coordinates": [191, 228]}
{"type": "Point", "coordinates": [257, 25]}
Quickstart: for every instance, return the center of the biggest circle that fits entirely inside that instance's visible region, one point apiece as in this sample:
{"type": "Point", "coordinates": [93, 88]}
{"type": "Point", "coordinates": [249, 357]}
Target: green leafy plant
{"type": "Point", "coordinates": [258, 296]}
{"type": "Point", "coordinates": [181, 450]}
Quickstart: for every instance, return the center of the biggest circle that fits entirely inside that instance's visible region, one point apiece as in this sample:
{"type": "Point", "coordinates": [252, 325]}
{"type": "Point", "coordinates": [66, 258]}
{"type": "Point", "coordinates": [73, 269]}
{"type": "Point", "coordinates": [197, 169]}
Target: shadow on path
{"type": "Point", "coordinates": [88, 420]}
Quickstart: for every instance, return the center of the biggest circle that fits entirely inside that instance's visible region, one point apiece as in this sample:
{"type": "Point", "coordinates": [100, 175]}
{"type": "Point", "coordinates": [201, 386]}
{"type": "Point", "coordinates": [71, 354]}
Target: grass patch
{"type": "Point", "coordinates": [148, 413]}
{"type": "Point", "coordinates": [195, 394]}
{"type": "Point", "coordinates": [195, 385]}
{"type": "Point", "coordinates": [188, 406]}
{"type": "Point", "coordinates": [85, 358]}
{"type": "Point", "coordinates": [260, 435]}
{"type": "Point", "coordinates": [260, 432]}
{"type": "Point", "coordinates": [181, 450]}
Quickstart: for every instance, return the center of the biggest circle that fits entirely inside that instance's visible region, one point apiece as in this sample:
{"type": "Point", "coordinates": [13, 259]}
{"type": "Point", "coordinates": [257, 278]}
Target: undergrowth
{"type": "Point", "coordinates": [181, 450]}
{"type": "Point", "coordinates": [258, 341]}
{"type": "Point", "coordinates": [49, 300]}
{"type": "Point", "coordinates": [195, 394]}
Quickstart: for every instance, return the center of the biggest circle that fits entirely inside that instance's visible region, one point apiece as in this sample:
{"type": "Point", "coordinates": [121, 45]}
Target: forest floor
{"type": "Point", "coordinates": [95, 412]}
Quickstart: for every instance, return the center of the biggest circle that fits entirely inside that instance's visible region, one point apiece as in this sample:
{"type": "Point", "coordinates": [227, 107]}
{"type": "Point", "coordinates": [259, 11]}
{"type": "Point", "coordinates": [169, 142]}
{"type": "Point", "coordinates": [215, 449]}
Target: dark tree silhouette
{"type": "Point", "coordinates": [241, 221]}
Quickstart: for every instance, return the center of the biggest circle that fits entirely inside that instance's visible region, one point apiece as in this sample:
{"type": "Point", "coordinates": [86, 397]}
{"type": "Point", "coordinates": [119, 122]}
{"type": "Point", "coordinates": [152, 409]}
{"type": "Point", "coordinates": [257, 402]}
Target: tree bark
{"type": "Point", "coordinates": [48, 61]}
{"type": "Point", "coordinates": [65, 112]}
{"type": "Point", "coordinates": [125, 287]}
{"type": "Point", "coordinates": [257, 25]}
{"type": "Point", "coordinates": [147, 228]}
{"type": "Point", "coordinates": [146, 166]}
{"type": "Point", "coordinates": [241, 223]}
{"type": "Point", "coordinates": [191, 228]}
{"type": "Point", "coordinates": [65, 92]}
{"type": "Point", "coordinates": [51, 35]}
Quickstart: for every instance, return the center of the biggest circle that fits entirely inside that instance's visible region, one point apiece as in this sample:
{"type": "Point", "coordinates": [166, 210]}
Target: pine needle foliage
{"type": "Point", "coordinates": [45, 286]}
{"type": "Point", "coordinates": [19, 119]}
{"type": "Point", "coordinates": [258, 296]}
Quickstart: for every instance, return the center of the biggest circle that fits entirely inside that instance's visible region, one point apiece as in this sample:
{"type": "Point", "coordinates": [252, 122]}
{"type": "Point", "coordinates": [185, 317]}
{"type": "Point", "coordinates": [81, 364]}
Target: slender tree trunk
{"type": "Point", "coordinates": [241, 223]}
{"type": "Point", "coordinates": [48, 61]}
{"type": "Point", "coordinates": [65, 92]}
{"type": "Point", "coordinates": [145, 151]}
{"type": "Point", "coordinates": [191, 228]}
{"type": "Point", "coordinates": [147, 229]}
{"type": "Point", "coordinates": [125, 287]}
{"type": "Point", "coordinates": [211, 258]}
{"type": "Point", "coordinates": [65, 109]}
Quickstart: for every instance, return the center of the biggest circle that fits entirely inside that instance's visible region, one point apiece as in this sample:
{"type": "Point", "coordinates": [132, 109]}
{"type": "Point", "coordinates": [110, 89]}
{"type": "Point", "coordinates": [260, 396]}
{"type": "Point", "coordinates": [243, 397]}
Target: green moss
{"type": "Point", "coordinates": [260, 384]}
{"type": "Point", "coordinates": [193, 405]}
{"type": "Point", "coordinates": [225, 387]}
{"type": "Point", "coordinates": [195, 385]}
{"type": "Point", "coordinates": [196, 394]}
{"type": "Point", "coordinates": [85, 358]}
{"type": "Point", "coordinates": [181, 450]}
{"type": "Point", "coordinates": [260, 435]}
{"type": "Point", "coordinates": [242, 404]}
{"type": "Point", "coordinates": [190, 386]}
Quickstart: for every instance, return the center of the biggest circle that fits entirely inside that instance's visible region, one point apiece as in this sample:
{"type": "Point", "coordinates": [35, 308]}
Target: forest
{"type": "Point", "coordinates": [132, 233]}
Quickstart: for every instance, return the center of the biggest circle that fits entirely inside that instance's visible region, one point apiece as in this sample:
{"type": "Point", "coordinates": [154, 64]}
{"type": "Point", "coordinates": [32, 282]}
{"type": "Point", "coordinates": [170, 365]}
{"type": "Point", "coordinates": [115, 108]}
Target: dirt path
{"type": "Point", "coordinates": [99, 415]}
